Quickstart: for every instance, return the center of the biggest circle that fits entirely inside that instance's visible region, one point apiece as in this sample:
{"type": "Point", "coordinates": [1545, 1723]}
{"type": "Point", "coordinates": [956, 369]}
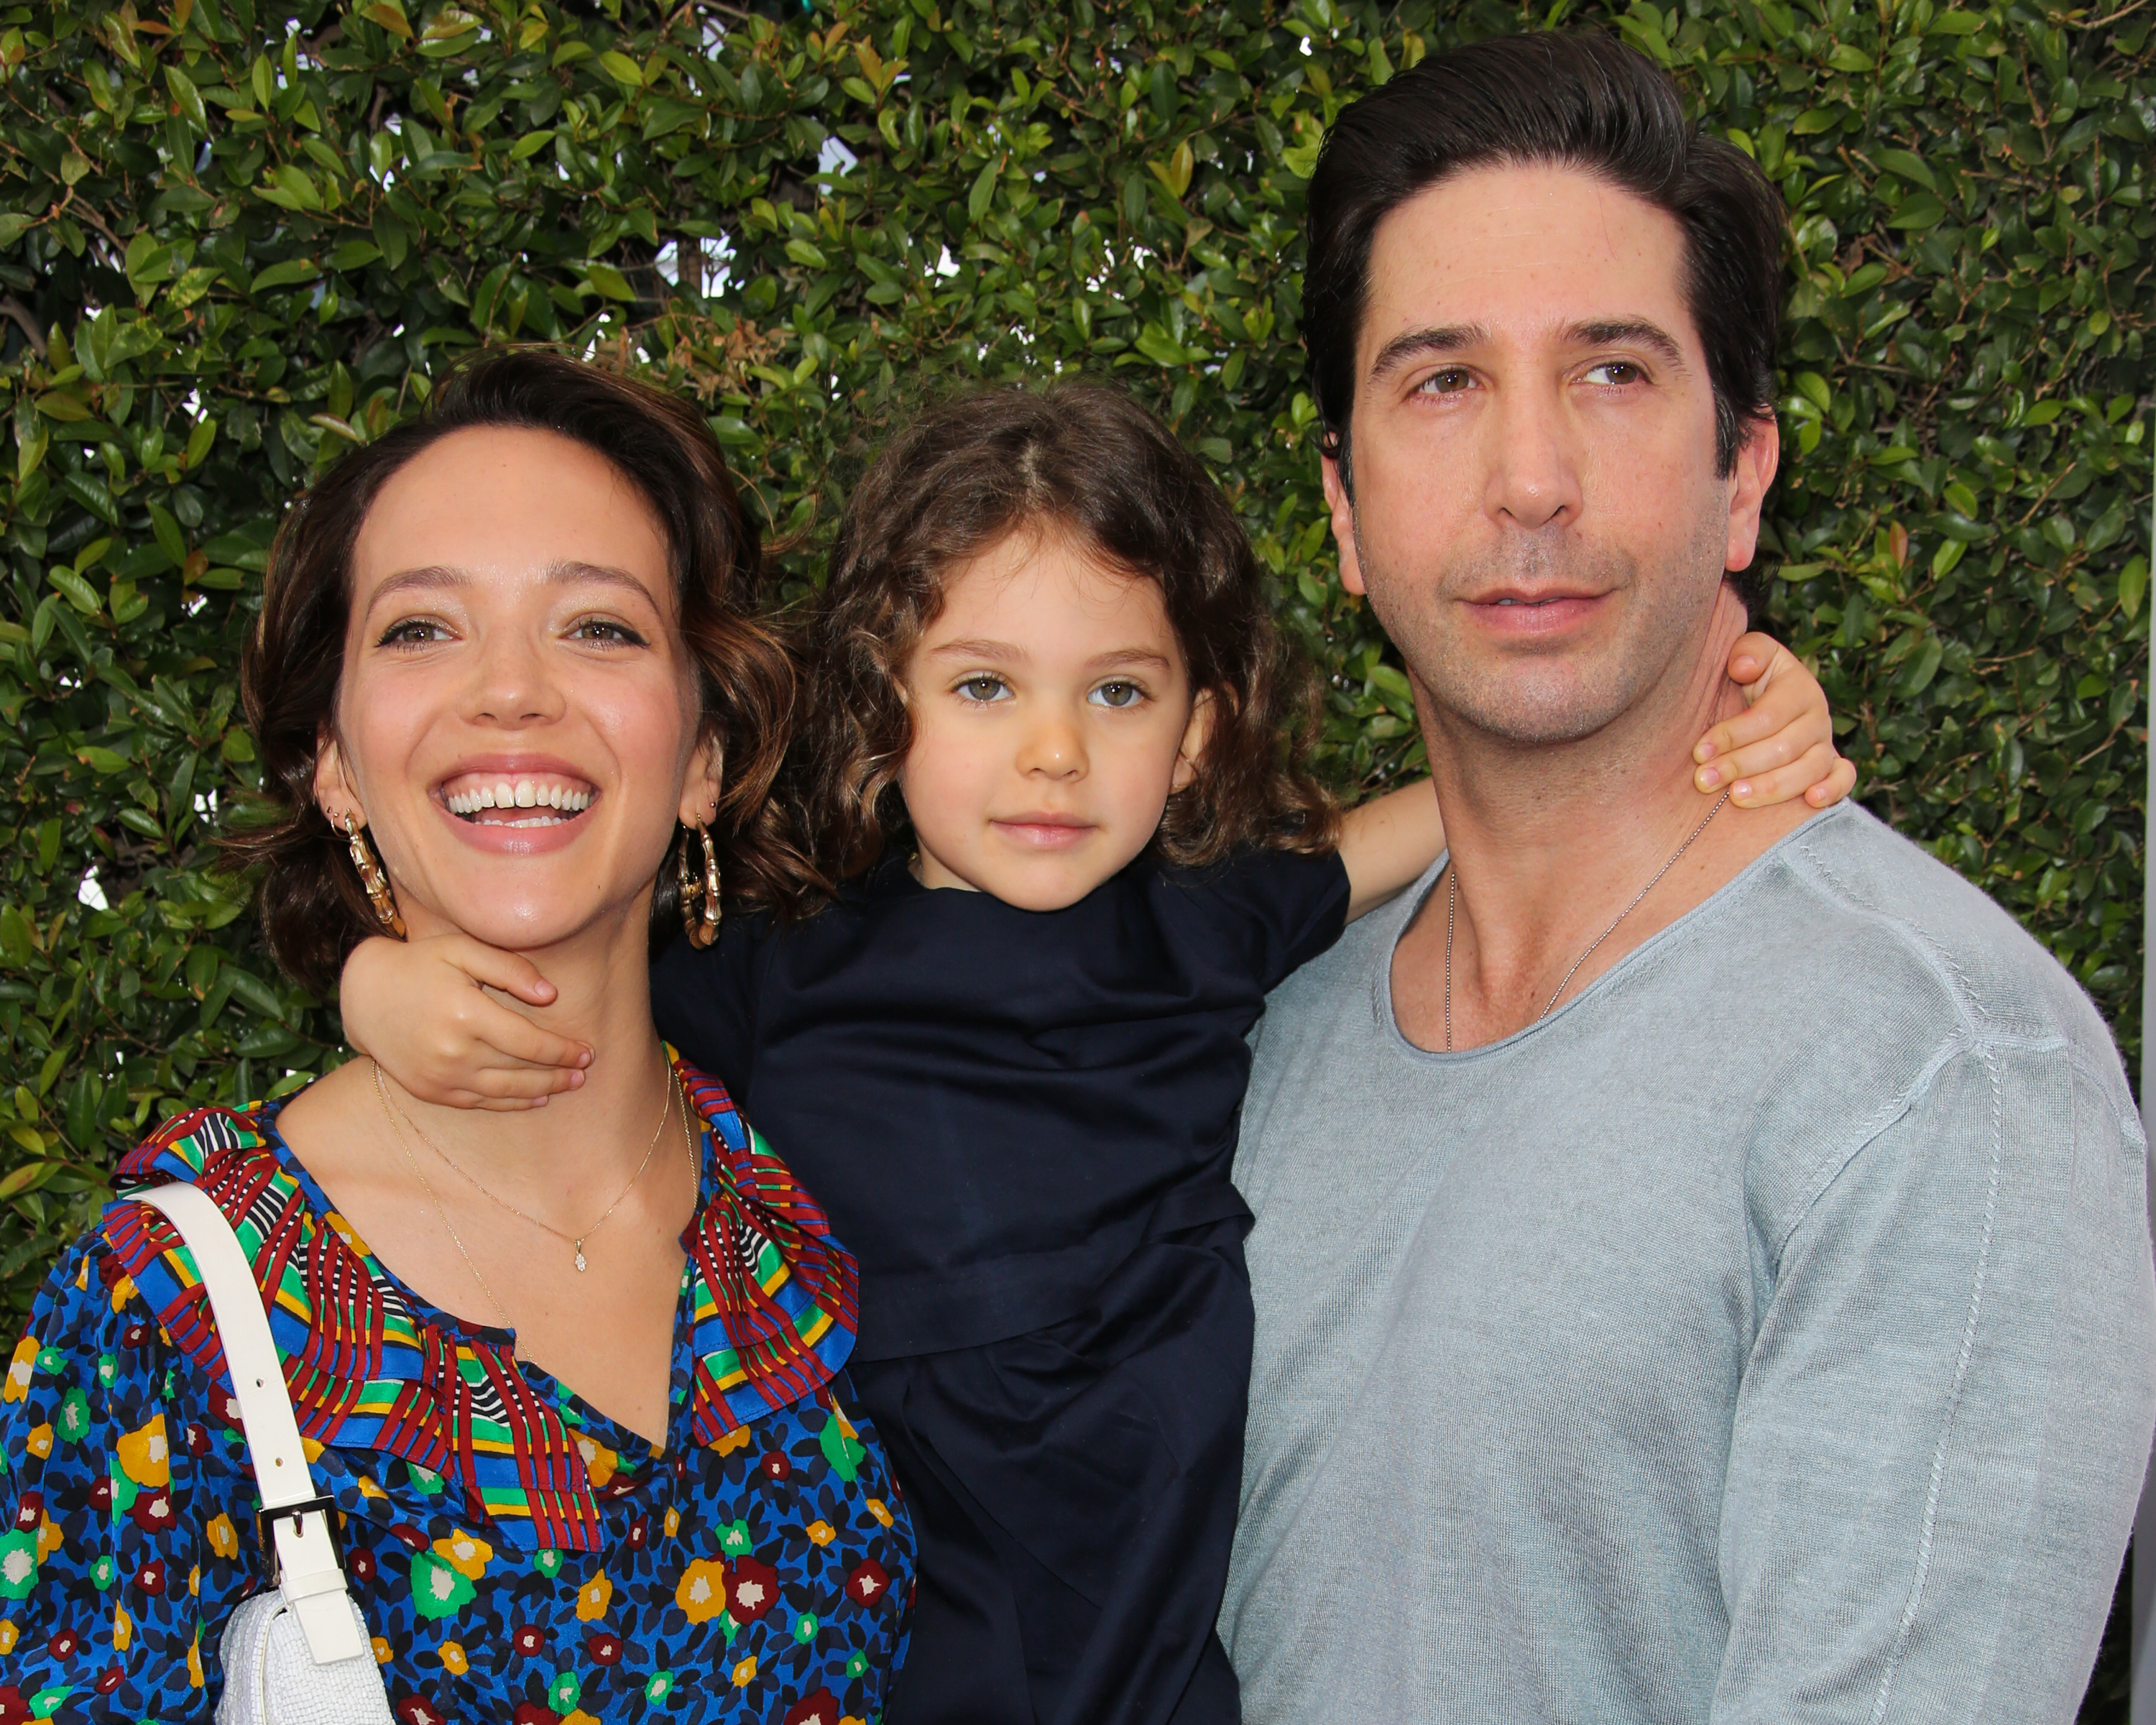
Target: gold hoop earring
{"type": "Point", "coordinates": [701, 926]}
{"type": "Point", "coordinates": [373, 879]}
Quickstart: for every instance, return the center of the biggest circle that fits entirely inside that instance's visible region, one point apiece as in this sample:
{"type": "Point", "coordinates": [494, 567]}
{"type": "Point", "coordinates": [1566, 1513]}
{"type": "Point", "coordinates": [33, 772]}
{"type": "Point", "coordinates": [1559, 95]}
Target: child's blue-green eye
{"type": "Point", "coordinates": [1118, 694]}
{"type": "Point", "coordinates": [982, 689]}
{"type": "Point", "coordinates": [413, 632]}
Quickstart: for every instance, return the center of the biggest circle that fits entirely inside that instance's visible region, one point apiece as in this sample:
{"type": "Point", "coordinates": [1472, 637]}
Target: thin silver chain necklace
{"type": "Point", "coordinates": [1452, 907]}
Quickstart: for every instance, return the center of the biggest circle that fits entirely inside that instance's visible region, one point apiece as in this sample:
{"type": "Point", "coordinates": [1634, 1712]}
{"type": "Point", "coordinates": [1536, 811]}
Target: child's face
{"type": "Point", "coordinates": [1052, 718]}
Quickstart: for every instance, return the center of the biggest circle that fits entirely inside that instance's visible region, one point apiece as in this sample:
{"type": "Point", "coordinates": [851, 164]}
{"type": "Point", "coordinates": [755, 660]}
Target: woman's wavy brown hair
{"type": "Point", "coordinates": [1089, 461]}
{"type": "Point", "coordinates": [314, 909]}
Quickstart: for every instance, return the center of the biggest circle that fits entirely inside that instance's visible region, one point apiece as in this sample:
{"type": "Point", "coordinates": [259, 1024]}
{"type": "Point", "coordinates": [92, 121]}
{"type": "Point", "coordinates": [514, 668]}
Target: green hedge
{"type": "Point", "coordinates": [231, 248]}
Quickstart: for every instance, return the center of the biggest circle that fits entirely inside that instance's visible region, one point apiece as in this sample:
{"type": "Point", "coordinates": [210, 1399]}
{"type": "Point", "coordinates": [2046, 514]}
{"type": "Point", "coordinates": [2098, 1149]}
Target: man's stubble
{"type": "Point", "coordinates": [1529, 695]}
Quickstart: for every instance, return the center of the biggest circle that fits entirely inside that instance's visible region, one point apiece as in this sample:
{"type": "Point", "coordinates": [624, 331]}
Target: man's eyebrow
{"type": "Point", "coordinates": [1610, 332]}
{"type": "Point", "coordinates": [1440, 338]}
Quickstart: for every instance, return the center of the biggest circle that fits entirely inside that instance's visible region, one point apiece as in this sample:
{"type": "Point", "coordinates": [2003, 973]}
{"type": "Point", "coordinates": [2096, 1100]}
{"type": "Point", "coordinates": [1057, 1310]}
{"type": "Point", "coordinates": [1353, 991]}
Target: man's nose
{"type": "Point", "coordinates": [511, 685]}
{"type": "Point", "coordinates": [1052, 746]}
{"type": "Point", "coordinates": [1533, 468]}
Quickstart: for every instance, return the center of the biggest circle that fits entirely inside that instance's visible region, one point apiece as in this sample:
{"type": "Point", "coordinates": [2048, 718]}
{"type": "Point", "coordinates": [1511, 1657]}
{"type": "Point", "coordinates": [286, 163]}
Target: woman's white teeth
{"type": "Point", "coordinates": [519, 794]}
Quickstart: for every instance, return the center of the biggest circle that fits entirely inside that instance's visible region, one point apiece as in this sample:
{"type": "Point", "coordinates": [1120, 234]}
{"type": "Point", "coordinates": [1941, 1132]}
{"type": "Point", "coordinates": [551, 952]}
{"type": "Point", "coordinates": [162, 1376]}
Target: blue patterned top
{"type": "Point", "coordinates": [518, 1556]}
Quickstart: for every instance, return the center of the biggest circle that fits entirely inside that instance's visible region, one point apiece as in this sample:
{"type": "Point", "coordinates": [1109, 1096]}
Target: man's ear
{"type": "Point", "coordinates": [1343, 523]}
{"type": "Point", "coordinates": [1759, 458]}
{"type": "Point", "coordinates": [1195, 736]}
{"type": "Point", "coordinates": [334, 794]}
{"type": "Point", "coordinates": [699, 787]}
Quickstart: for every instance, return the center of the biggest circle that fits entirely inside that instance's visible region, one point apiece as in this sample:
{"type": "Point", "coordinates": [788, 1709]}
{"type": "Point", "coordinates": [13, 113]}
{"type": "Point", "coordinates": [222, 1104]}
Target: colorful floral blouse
{"type": "Point", "coordinates": [518, 1557]}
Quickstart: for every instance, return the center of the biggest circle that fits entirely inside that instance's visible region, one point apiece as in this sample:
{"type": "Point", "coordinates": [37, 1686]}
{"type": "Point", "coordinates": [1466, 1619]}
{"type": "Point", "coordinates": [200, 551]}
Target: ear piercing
{"type": "Point", "coordinates": [372, 878]}
{"type": "Point", "coordinates": [702, 926]}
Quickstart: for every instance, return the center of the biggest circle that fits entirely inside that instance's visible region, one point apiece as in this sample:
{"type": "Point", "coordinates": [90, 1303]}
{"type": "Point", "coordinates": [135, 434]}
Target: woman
{"type": "Point", "coordinates": [574, 1374]}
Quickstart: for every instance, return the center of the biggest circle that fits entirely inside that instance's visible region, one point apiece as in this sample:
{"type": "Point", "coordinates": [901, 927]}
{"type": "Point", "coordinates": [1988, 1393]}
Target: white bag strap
{"type": "Point", "coordinates": [309, 1574]}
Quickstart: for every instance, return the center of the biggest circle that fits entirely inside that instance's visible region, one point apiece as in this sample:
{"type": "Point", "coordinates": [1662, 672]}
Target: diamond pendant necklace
{"type": "Point", "coordinates": [575, 1242]}
{"type": "Point", "coordinates": [1452, 906]}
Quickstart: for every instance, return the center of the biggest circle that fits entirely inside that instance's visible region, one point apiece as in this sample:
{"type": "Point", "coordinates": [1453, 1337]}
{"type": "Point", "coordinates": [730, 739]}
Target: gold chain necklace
{"type": "Point", "coordinates": [388, 1113]}
{"type": "Point", "coordinates": [577, 1241]}
{"type": "Point", "coordinates": [1452, 904]}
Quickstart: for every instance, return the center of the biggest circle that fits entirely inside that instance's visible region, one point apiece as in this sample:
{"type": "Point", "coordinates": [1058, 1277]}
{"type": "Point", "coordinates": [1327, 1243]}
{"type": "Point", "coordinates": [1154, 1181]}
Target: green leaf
{"type": "Point", "coordinates": [388, 14]}
{"type": "Point", "coordinates": [288, 274]}
{"type": "Point", "coordinates": [1910, 166]}
{"type": "Point", "coordinates": [984, 189]}
{"type": "Point", "coordinates": [623, 71]}
{"type": "Point", "coordinates": [188, 98]}
{"type": "Point", "coordinates": [609, 282]}
{"type": "Point", "coordinates": [1918, 211]}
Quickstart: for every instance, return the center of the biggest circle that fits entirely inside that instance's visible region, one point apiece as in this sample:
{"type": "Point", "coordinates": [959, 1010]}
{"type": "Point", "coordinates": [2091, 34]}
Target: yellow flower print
{"type": "Point", "coordinates": [194, 1661]}
{"type": "Point", "coordinates": [877, 1510]}
{"type": "Point", "coordinates": [123, 1629]}
{"type": "Point", "coordinates": [738, 1438]}
{"type": "Point", "coordinates": [845, 1425]}
{"type": "Point", "coordinates": [39, 1443]}
{"type": "Point", "coordinates": [599, 1461]}
{"type": "Point", "coordinates": [673, 1522]}
{"type": "Point", "coordinates": [223, 1536]}
{"type": "Point", "coordinates": [18, 1370]}
{"type": "Point", "coordinates": [466, 1553]}
{"type": "Point", "coordinates": [123, 1291]}
{"type": "Point", "coordinates": [701, 1593]}
{"type": "Point", "coordinates": [822, 1532]}
{"type": "Point", "coordinates": [593, 1597]}
{"type": "Point", "coordinates": [312, 1449]}
{"type": "Point", "coordinates": [745, 1672]}
{"type": "Point", "coordinates": [48, 1539]}
{"type": "Point", "coordinates": [346, 1232]}
{"type": "Point", "coordinates": [194, 1582]}
{"type": "Point", "coordinates": [453, 1659]}
{"type": "Point", "coordinates": [143, 1457]}
{"type": "Point", "coordinates": [9, 1635]}
{"type": "Point", "coordinates": [381, 1651]}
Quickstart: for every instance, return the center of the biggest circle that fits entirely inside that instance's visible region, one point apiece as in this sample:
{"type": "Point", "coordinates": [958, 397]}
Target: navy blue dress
{"type": "Point", "coordinates": [1023, 1123]}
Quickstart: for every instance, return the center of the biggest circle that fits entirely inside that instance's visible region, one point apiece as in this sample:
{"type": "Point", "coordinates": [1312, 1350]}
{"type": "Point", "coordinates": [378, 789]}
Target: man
{"type": "Point", "coordinates": [1701, 1270]}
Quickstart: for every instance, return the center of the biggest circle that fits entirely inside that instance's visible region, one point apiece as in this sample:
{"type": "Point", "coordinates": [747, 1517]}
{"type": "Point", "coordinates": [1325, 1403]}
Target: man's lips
{"type": "Point", "coordinates": [1516, 611]}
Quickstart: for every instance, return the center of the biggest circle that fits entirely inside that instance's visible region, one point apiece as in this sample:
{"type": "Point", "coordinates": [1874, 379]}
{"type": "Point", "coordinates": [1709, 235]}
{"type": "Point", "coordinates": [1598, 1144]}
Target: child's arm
{"type": "Point", "coordinates": [420, 1009]}
{"type": "Point", "coordinates": [1781, 746]}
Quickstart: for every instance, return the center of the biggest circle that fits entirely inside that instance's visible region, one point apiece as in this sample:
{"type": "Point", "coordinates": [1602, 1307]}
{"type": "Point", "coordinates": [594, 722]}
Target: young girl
{"type": "Point", "coordinates": [1043, 754]}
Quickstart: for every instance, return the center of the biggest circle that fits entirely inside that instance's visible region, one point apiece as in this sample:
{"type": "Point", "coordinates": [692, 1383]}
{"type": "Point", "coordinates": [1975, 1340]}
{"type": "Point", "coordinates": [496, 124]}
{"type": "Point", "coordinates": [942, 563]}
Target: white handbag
{"type": "Point", "coordinates": [298, 1654]}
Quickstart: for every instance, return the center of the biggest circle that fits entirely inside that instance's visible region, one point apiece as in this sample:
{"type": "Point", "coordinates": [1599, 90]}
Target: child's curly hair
{"type": "Point", "coordinates": [1088, 460]}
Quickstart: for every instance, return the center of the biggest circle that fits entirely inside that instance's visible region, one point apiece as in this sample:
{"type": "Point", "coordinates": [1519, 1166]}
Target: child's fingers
{"type": "Point", "coordinates": [1816, 766]}
{"type": "Point", "coordinates": [1836, 785]}
{"type": "Point", "coordinates": [497, 1029]}
{"type": "Point", "coordinates": [1788, 710]}
{"type": "Point", "coordinates": [511, 973]}
{"type": "Point", "coordinates": [1754, 655]}
{"type": "Point", "coordinates": [522, 1084]}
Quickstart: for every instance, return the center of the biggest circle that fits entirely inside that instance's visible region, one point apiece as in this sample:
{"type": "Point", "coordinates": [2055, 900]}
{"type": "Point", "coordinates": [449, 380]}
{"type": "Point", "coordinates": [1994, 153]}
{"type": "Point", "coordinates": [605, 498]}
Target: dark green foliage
{"type": "Point", "coordinates": [230, 251]}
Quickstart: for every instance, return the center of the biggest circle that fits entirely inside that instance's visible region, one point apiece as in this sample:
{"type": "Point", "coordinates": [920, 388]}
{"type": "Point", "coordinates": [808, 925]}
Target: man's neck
{"type": "Point", "coordinates": [1550, 844]}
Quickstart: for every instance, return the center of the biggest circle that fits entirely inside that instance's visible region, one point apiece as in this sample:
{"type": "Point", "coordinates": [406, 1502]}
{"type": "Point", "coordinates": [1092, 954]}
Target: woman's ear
{"type": "Point", "coordinates": [333, 793]}
{"type": "Point", "coordinates": [1195, 736]}
{"type": "Point", "coordinates": [700, 787]}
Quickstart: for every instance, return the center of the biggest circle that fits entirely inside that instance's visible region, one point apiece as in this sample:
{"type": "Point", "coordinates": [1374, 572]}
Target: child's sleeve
{"type": "Point", "coordinates": [705, 1001]}
{"type": "Point", "coordinates": [1278, 908]}
{"type": "Point", "coordinates": [117, 1567]}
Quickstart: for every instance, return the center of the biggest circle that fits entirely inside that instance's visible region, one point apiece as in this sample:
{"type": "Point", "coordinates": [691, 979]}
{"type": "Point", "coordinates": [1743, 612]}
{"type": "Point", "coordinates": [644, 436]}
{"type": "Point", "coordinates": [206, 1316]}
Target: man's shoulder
{"type": "Point", "coordinates": [1878, 920]}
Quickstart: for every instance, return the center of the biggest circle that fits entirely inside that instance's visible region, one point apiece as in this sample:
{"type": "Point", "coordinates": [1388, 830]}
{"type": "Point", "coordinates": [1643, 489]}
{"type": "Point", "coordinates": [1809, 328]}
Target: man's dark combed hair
{"type": "Point", "coordinates": [1085, 460]}
{"type": "Point", "coordinates": [314, 909]}
{"type": "Point", "coordinates": [1580, 100]}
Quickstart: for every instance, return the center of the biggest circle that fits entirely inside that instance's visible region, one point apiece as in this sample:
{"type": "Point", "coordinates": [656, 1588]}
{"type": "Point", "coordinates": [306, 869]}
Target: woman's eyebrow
{"type": "Point", "coordinates": [434, 577]}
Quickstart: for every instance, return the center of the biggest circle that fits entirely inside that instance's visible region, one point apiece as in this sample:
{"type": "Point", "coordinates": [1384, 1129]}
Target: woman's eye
{"type": "Point", "coordinates": [1118, 695]}
{"type": "Point", "coordinates": [983, 689]}
{"type": "Point", "coordinates": [413, 632]}
{"type": "Point", "coordinates": [605, 629]}
{"type": "Point", "coordinates": [1615, 372]}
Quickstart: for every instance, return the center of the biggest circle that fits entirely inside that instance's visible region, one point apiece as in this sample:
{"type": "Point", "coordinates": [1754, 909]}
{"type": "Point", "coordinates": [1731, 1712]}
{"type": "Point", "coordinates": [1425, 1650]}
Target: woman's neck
{"type": "Point", "coordinates": [563, 1161]}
